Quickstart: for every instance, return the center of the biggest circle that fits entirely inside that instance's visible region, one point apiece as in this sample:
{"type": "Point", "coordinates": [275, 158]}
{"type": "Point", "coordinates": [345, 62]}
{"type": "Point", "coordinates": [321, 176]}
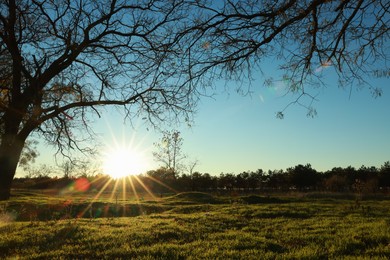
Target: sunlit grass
{"type": "Point", "coordinates": [118, 196]}
{"type": "Point", "coordinates": [186, 226]}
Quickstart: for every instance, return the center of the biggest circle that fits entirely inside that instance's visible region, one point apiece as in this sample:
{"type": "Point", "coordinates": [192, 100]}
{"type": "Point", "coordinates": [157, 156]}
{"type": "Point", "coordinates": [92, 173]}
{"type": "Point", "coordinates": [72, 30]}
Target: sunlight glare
{"type": "Point", "coordinates": [121, 161]}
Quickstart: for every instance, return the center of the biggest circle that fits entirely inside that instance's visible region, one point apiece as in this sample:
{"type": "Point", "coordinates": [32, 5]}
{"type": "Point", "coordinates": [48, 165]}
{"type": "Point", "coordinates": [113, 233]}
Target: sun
{"type": "Point", "coordinates": [120, 162]}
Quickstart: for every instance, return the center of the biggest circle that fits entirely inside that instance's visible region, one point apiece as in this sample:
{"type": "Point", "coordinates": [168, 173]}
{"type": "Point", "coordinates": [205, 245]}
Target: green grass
{"type": "Point", "coordinates": [186, 226]}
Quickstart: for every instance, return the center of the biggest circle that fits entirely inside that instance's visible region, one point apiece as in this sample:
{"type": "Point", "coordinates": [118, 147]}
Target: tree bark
{"type": "Point", "coordinates": [5, 185]}
{"type": "Point", "coordinates": [10, 150]}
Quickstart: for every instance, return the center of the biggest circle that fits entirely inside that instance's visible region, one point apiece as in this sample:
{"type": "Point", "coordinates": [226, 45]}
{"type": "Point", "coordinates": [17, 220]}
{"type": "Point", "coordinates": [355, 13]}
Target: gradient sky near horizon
{"type": "Point", "coordinates": [234, 133]}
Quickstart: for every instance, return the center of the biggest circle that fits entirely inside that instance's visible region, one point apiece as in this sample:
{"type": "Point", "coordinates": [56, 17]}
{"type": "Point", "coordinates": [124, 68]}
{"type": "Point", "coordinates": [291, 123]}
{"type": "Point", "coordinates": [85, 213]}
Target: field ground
{"type": "Point", "coordinates": [193, 226]}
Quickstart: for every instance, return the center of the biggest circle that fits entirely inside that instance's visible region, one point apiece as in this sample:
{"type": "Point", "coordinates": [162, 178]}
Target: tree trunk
{"type": "Point", "coordinates": [10, 151]}
{"type": "Point", "coordinates": [5, 185]}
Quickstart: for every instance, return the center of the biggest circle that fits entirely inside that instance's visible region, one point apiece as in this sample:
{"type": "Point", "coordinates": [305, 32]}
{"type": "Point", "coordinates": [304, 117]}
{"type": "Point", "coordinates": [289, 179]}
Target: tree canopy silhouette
{"type": "Point", "coordinates": [61, 61]}
{"type": "Point", "coordinates": [351, 37]}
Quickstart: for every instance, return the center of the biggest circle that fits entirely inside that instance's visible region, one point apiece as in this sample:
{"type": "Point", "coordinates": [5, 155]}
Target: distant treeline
{"type": "Point", "coordinates": [299, 178]}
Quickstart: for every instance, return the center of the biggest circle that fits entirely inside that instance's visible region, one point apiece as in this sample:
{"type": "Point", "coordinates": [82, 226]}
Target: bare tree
{"type": "Point", "coordinates": [68, 58]}
{"type": "Point", "coordinates": [61, 61]}
{"type": "Point", "coordinates": [67, 169]}
{"type": "Point", "coordinates": [87, 168]}
{"type": "Point", "coordinates": [40, 171]}
{"type": "Point", "coordinates": [349, 36]}
{"type": "Point", "coordinates": [169, 151]}
{"type": "Point", "coordinates": [191, 165]}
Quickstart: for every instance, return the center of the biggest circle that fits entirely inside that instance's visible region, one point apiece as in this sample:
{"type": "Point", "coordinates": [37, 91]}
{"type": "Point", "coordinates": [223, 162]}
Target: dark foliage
{"type": "Point", "coordinates": [301, 178]}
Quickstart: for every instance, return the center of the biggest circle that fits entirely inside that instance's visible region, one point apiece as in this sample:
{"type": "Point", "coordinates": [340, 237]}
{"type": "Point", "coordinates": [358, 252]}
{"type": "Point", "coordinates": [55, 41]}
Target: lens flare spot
{"type": "Point", "coordinates": [82, 184]}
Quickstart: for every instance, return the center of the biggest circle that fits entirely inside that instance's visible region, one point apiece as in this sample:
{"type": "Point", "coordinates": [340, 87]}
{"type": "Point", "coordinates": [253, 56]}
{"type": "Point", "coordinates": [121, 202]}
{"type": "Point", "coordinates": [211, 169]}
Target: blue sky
{"type": "Point", "coordinates": [234, 133]}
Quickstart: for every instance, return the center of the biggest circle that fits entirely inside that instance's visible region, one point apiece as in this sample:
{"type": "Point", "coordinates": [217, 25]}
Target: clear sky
{"type": "Point", "coordinates": [234, 133]}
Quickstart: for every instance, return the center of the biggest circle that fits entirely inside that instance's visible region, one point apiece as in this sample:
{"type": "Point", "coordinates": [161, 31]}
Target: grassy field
{"type": "Point", "coordinates": [192, 226]}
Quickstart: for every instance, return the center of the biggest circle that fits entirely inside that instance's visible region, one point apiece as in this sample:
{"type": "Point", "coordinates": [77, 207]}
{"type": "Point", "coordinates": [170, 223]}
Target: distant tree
{"type": "Point", "coordinates": [191, 166]}
{"type": "Point", "coordinates": [277, 179]}
{"type": "Point", "coordinates": [77, 168]}
{"type": "Point", "coordinates": [202, 182]}
{"type": "Point", "coordinates": [162, 179]}
{"type": "Point", "coordinates": [196, 181]}
{"type": "Point", "coordinates": [184, 182]}
{"type": "Point", "coordinates": [40, 171]}
{"type": "Point", "coordinates": [41, 176]}
{"type": "Point", "coordinates": [86, 168]}
{"type": "Point", "coordinates": [366, 173]}
{"type": "Point", "coordinates": [303, 176]}
{"type": "Point", "coordinates": [369, 176]}
{"type": "Point", "coordinates": [242, 180]}
{"type": "Point", "coordinates": [371, 185]}
{"type": "Point", "coordinates": [384, 175]}
{"type": "Point", "coordinates": [351, 174]}
{"type": "Point", "coordinates": [226, 181]}
{"type": "Point", "coordinates": [336, 183]}
{"type": "Point", "coordinates": [256, 179]}
{"type": "Point", "coordinates": [67, 168]}
{"type": "Point", "coordinates": [169, 151]}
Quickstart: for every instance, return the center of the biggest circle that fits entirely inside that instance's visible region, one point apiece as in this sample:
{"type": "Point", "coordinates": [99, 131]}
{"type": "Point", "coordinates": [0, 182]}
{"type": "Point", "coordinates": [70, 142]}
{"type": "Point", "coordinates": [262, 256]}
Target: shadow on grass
{"type": "Point", "coordinates": [47, 212]}
{"type": "Point", "coordinates": [192, 198]}
{"type": "Point", "coordinates": [254, 199]}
